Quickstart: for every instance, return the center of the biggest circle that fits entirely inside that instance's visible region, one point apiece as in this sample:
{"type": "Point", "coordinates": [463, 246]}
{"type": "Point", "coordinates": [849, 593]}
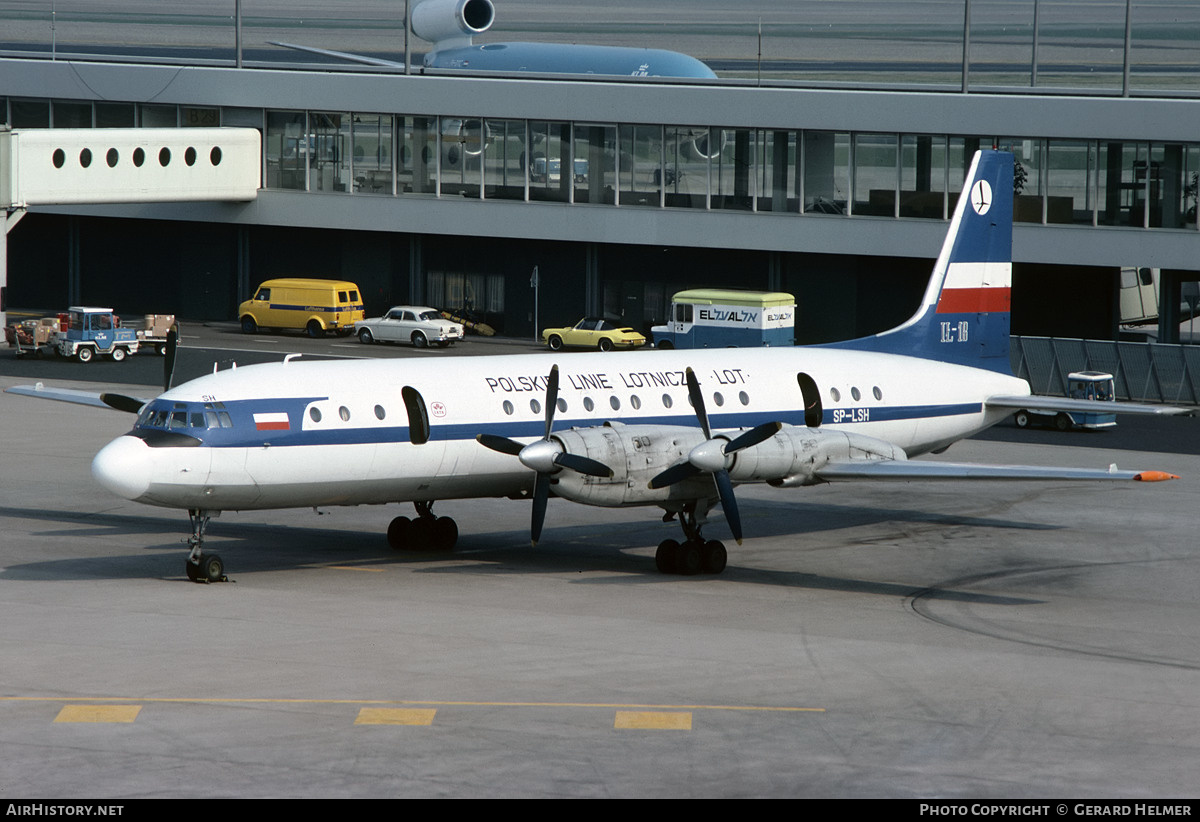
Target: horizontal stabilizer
{"type": "Point", "coordinates": [45, 392]}
{"type": "Point", "coordinates": [1043, 403]}
{"type": "Point", "coordinates": [341, 55]}
{"type": "Point", "coordinates": [906, 470]}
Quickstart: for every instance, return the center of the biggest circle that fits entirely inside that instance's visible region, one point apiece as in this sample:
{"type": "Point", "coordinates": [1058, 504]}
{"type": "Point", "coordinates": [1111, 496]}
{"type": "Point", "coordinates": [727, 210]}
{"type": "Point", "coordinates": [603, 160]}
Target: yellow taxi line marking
{"type": "Point", "coordinates": [653, 720]}
{"type": "Point", "coordinates": [395, 716]}
{"type": "Point", "coordinates": [412, 702]}
{"type": "Point", "coordinates": [98, 713]}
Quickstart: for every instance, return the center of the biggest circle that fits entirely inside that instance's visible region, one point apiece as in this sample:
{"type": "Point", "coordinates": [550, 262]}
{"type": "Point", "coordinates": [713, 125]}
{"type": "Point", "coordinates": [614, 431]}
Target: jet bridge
{"type": "Point", "coordinates": [122, 165]}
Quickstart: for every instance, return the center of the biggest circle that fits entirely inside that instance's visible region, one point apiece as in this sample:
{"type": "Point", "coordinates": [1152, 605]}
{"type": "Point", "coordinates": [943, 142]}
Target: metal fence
{"type": "Point", "coordinates": [1147, 372]}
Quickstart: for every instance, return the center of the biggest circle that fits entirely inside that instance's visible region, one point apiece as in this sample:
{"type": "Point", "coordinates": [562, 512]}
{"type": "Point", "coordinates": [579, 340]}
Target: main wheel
{"type": "Point", "coordinates": [555, 342]}
{"type": "Point", "coordinates": [714, 557]}
{"type": "Point", "coordinates": [419, 340]}
{"type": "Point", "coordinates": [445, 534]}
{"type": "Point", "coordinates": [689, 559]}
{"type": "Point", "coordinates": [118, 354]}
{"type": "Point", "coordinates": [314, 329]}
{"type": "Point", "coordinates": [85, 354]}
{"type": "Point", "coordinates": [397, 533]}
{"type": "Point", "coordinates": [665, 556]}
{"type": "Point", "coordinates": [249, 326]}
{"type": "Point", "coordinates": [606, 344]}
{"type": "Point", "coordinates": [364, 336]}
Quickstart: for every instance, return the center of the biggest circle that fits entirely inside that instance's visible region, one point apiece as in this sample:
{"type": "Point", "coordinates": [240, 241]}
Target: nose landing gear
{"type": "Point", "coordinates": [202, 567]}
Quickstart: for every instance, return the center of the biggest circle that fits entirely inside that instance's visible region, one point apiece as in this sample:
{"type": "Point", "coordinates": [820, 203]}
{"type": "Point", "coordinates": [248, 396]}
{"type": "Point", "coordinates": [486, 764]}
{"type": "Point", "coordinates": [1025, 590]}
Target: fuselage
{"type": "Point", "coordinates": [298, 434]}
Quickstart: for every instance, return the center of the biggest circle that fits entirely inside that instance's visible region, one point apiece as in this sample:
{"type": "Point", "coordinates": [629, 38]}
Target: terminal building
{"type": "Point", "coordinates": [536, 200]}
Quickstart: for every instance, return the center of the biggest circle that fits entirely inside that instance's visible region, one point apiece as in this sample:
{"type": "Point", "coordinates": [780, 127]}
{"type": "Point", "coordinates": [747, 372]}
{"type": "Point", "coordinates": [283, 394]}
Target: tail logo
{"type": "Point", "coordinates": [981, 197]}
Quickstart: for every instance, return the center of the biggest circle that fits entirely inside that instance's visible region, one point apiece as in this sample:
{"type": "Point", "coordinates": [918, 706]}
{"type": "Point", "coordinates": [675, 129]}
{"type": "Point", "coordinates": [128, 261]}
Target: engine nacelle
{"type": "Point", "coordinates": [452, 22]}
{"type": "Point", "coordinates": [635, 453]}
{"type": "Point", "coordinates": [809, 450]}
{"type": "Point", "coordinates": [638, 453]}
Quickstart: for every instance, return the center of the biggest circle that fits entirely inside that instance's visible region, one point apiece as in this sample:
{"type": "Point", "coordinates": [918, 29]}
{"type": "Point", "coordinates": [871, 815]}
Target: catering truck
{"type": "Point", "coordinates": [727, 318]}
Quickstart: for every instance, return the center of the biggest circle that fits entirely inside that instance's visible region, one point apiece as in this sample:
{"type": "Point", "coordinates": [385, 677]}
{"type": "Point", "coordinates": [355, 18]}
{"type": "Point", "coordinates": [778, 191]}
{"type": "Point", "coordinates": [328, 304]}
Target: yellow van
{"type": "Point", "coordinates": [316, 306]}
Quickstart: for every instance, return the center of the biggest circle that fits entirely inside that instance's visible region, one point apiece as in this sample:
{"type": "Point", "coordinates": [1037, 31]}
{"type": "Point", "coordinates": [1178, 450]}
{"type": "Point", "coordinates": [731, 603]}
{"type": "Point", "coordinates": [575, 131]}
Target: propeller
{"type": "Point", "coordinates": [546, 457]}
{"type": "Point", "coordinates": [133, 405]}
{"type": "Point", "coordinates": [713, 456]}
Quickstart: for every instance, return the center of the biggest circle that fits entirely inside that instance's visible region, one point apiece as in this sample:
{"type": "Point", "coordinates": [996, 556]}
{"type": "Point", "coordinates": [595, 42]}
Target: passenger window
{"type": "Point", "coordinates": [353, 296]}
{"type": "Point", "coordinates": [341, 296]}
{"type": "Point", "coordinates": [263, 294]}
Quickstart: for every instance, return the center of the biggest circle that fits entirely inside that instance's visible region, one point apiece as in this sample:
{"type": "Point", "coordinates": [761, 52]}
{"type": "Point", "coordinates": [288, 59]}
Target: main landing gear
{"type": "Point", "coordinates": [426, 532]}
{"type": "Point", "coordinates": [202, 567]}
{"type": "Point", "coordinates": [695, 555]}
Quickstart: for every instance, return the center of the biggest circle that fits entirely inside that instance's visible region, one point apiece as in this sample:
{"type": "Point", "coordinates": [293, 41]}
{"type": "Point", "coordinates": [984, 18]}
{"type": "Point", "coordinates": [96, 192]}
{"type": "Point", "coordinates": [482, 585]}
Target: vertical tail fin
{"type": "Point", "coordinates": [964, 316]}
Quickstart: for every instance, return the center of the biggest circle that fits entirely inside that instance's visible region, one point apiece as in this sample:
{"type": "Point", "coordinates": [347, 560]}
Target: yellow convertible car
{"type": "Point", "coordinates": [592, 332]}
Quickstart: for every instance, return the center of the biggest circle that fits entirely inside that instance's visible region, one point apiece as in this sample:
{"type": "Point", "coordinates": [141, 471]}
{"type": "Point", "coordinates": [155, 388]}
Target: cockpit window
{"type": "Point", "coordinates": [179, 416]}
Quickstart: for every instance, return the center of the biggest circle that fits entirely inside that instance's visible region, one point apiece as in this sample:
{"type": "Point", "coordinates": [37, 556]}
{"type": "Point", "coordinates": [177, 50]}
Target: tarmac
{"type": "Point", "coordinates": [949, 640]}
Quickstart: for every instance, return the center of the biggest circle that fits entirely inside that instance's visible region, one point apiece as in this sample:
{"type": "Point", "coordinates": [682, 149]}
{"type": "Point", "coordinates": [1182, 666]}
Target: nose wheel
{"type": "Point", "coordinates": [202, 567]}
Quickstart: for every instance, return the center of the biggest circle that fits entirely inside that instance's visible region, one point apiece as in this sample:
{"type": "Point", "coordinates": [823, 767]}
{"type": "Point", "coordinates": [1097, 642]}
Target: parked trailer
{"type": "Point", "coordinates": [85, 333]}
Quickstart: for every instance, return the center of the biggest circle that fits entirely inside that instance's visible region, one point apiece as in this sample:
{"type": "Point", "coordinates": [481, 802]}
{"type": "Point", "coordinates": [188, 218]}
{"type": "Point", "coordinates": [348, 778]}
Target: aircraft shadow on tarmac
{"type": "Point", "coordinates": [264, 548]}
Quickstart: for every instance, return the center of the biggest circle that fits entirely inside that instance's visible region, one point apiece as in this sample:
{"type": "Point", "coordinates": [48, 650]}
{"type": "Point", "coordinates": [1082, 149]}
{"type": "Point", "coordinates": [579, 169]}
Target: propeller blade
{"type": "Point", "coordinates": [729, 504]}
{"type": "Point", "coordinates": [502, 444]}
{"type": "Point", "coordinates": [122, 403]}
{"type": "Point", "coordinates": [584, 465]}
{"type": "Point", "coordinates": [551, 398]}
{"type": "Point", "coordinates": [541, 493]}
{"type": "Point", "coordinates": [676, 473]}
{"type": "Point", "coordinates": [757, 434]}
{"type": "Point", "coordinates": [697, 399]}
{"type": "Point", "coordinates": [169, 357]}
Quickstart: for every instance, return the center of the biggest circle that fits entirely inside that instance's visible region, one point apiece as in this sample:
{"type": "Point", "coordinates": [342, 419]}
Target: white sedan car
{"type": "Point", "coordinates": [419, 325]}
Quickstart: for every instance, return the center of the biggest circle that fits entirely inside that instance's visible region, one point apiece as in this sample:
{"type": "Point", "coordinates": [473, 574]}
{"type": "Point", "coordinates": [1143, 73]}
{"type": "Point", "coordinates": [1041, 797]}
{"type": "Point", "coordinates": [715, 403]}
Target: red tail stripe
{"type": "Point", "coordinates": [972, 300]}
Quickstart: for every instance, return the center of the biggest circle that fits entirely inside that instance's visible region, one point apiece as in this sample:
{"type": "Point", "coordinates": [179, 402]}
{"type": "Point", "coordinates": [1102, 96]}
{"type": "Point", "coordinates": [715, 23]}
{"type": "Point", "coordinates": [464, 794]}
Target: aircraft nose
{"type": "Point", "coordinates": [122, 467]}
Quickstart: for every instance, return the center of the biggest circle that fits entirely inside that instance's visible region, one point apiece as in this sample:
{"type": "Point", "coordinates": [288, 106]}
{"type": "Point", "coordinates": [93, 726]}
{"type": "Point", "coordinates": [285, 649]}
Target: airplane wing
{"type": "Point", "coordinates": [342, 55]}
{"type": "Point", "coordinates": [93, 398]}
{"type": "Point", "coordinates": [1043, 403]}
{"type": "Point", "coordinates": [907, 470]}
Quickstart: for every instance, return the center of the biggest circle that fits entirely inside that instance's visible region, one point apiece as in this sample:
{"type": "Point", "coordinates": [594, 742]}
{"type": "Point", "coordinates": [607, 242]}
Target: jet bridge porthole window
{"type": "Point", "coordinates": [139, 157]}
{"type": "Point", "coordinates": [112, 157]}
{"type": "Point", "coordinates": [214, 156]}
{"type": "Point", "coordinates": [85, 157]}
{"type": "Point", "coordinates": [59, 158]}
{"type": "Point", "coordinates": [189, 156]}
{"type": "Point", "coordinates": [164, 156]}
